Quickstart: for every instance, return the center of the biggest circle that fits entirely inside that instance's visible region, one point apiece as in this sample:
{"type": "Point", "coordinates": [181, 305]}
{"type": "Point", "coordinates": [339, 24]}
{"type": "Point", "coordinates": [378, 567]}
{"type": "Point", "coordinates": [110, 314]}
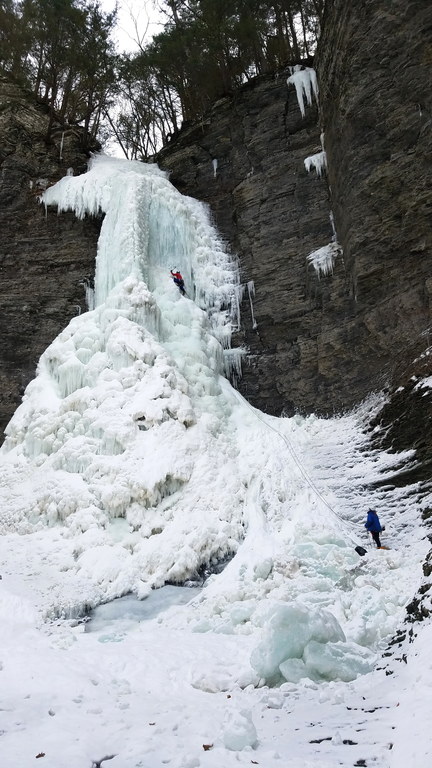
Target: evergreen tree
{"type": "Point", "coordinates": [62, 51]}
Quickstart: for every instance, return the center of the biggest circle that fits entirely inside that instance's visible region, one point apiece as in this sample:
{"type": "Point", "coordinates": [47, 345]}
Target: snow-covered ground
{"type": "Point", "coordinates": [132, 462]}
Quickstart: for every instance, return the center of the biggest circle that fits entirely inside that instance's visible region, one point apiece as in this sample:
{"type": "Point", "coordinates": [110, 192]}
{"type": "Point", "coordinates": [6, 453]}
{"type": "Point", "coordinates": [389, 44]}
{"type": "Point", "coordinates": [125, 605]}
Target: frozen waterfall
{"type": "Point", "coordinates": [132, 462]}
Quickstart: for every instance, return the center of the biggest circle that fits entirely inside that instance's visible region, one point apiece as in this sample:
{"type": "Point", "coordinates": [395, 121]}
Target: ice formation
{"type": "Point", "coordinates": [323, 259]}
{"type": "Point", "coordinates": [110, 415]}
{"type": "Point", "coordinates": [132, 462]}
{"type": "Point", "coordinates": [306, 85]}
{"type": "Point", "coordinates": [251, 294]}
{"type": "Point", "coordinates": [317, 161]}
{"type": "Point", "coordinates": [298, 643]}
{"type": "Point", "coordinates": [239, 731]}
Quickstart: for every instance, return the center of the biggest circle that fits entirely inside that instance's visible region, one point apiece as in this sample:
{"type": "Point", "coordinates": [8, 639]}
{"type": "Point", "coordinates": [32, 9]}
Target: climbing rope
{"type": "Point", "coordinates": [296, 460]}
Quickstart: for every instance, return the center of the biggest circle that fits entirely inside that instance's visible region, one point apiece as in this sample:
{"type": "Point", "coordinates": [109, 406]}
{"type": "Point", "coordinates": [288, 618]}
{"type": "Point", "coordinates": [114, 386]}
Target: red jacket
{"type": "Point", "coordinates": [176, 275]}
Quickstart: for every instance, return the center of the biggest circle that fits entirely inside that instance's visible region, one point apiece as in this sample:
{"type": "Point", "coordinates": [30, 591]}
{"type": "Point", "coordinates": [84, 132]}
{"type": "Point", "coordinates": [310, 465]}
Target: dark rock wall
{"type": "Point", "coordinates": [273, 214]}
{"type": "Point", "coordinates": [44, 259]}
{"type": "Point", "coordinates": [323, 344]}
{"type": "Point", "coordinates": [374, 65]}
{"type": "Point", "coordinates": [320, 344]}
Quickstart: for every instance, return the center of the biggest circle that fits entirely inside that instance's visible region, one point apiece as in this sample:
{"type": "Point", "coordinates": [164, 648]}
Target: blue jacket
{"type": "Point", "coordinates": [372, 523]}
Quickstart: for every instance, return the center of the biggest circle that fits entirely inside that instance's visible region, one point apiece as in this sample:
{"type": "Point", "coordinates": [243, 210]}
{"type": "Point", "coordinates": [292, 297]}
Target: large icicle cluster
{"type": "Point", "coordinates": [323, 259]}
{"type": "Point", "coordinates": [148, 228]}
{"type": "Point", "coordinates": [305, 82]}
{"type": "Point", "coordinates": [126, 410]}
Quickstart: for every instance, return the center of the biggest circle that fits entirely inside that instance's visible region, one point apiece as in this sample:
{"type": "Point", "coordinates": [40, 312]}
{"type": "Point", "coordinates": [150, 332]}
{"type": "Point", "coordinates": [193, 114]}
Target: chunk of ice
{"type": "Point", "coordinates": [318, 162]}
{"type": "Point", "coordinates": [239, 731]}
{"type": "Point", "coordinates": [293, 670]}
{"type": "Point", "coordinates": [337, 661]}
{"type": "Point", "coordinates": [289, 630]}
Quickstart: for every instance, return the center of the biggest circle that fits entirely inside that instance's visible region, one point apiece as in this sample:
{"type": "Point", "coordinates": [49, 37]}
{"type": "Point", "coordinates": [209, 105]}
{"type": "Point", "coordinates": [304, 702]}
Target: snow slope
{"type": "Point", "coordinates": [132, 462]}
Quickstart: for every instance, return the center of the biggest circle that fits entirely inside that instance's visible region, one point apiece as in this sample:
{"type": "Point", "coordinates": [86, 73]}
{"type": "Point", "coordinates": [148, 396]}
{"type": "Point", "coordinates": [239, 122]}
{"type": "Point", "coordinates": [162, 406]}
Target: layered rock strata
{"type": "Point", "coordinates": [376, 112]}
{"type": "Point", "coordinates": [323, 343]}
{"type": "Point", "coordinates": [45, 260]}
{"type": "Point", "coordinates": [246, 160]}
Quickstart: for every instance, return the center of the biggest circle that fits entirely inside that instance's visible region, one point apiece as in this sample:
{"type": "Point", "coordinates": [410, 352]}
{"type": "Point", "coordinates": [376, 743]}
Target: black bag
{"type": "Point", "coordinates": [361, 551]}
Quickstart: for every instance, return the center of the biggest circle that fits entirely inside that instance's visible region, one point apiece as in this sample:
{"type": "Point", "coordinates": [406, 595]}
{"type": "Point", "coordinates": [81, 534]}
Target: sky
{"type": "Point", "coordinates": [135, 16]}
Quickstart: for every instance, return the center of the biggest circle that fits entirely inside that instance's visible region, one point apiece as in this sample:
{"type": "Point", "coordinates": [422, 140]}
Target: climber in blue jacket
{"type": "Point", "coordinates": [373, 525]}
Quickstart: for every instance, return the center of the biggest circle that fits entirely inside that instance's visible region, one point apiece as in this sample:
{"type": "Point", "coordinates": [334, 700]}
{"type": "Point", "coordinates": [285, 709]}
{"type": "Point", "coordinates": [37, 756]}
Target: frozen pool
{"type": "Point", "coordinates": [123, 614]}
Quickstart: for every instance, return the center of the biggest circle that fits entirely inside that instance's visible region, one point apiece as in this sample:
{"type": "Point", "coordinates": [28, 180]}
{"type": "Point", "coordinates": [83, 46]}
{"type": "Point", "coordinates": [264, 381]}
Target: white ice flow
{"type": "Point", "coordinates": [132, 462]}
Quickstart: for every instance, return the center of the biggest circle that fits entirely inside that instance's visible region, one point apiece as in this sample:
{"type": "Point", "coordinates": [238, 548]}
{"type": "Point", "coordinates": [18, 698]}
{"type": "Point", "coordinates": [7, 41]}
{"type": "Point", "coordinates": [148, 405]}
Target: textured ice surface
{"type": "Point", "coordinates": [287, 633]}
{"type": "Point", "coordinates": [337, 661]}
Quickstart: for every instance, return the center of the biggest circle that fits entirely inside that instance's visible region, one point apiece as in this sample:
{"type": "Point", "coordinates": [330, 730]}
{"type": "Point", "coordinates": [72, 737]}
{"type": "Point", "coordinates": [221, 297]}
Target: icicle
{"type": "Point", "coordinates": [332, 224]}
{"type": "Point", "coordinates": [215, 165]}
{"type": "Point", "coordinates": [251, 294]}
{"type": "Point", "coordinates": [318, 161]}
{"type": "Point", "coordinates": [69, 172]}
{"type": "Point", "coordinates": [324, 258]}
{"type": "Point", "coordinates": [89, 294]}
{"type": "Point", "coordinates": [61, 146]}
{"type": "Point", "coordinates": [233, 363]}
{"type": "Point", "coordinates": [306, 84]}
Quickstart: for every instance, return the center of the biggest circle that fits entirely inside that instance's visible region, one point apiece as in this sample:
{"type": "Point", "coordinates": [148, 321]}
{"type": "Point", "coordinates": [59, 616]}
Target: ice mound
{"type": "Point", "coordinates": [298, 642]}
{"type": "Point", "coordinates": [337, 661]}
{"type": "Point", "coordinates": [239, 731]}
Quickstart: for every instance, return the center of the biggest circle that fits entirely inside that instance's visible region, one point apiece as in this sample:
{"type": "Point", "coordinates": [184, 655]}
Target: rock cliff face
{"type": "Point", "coordinates": [315, 343]}
{"type": "Point", "coordinates": [374, 65]}
{"type": "Point", "coordinates": [246, 160]}
{"type": "Point", "coordinates": [44, 259]}
{"type": "Point", "coordinates": [323, 344]}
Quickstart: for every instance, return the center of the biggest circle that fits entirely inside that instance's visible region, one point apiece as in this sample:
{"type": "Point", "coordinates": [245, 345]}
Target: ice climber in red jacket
{"type": "Point", "coordinates": [176, 276]}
